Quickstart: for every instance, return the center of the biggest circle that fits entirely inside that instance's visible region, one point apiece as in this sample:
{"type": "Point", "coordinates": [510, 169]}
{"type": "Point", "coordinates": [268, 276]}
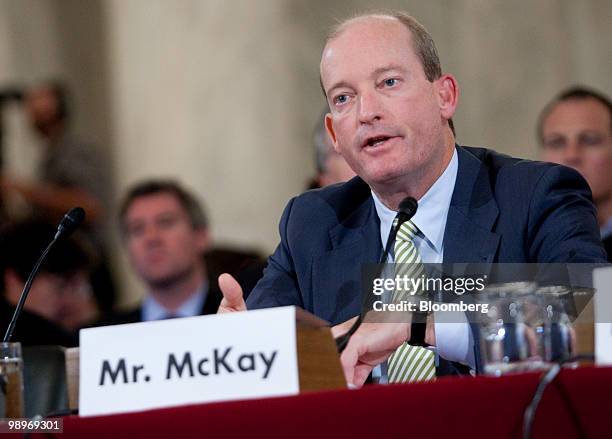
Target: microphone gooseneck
{"type": "Point", "coordinates": [68, 224]}
{"type": "Point", "coordinates": [407, 209]}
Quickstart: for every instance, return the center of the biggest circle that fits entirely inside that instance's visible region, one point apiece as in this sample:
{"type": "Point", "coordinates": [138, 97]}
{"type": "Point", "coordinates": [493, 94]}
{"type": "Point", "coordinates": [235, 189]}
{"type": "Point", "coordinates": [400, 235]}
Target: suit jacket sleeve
{"type": "Point", "coordinates": [562, 225]}
{"type": "Point", "coordinates": [279, 285]}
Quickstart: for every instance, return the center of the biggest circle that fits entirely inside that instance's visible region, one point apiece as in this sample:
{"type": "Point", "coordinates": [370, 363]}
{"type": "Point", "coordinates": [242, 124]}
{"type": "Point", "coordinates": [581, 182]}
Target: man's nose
{"type": "Point", "coordinates": [572, 154]}
{"type": "Point", "coordinates": [370, 107]}
{"type": "Point", "coordinates": [151, 234]}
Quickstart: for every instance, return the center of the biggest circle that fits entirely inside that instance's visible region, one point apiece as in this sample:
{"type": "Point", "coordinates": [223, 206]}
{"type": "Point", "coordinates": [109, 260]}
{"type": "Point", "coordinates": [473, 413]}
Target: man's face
{"type": "Point", "coordinates": [77, 303]}
{"type": "Point", "coordinates": [386, 117]}
{"type": "Point", "coordinates": [44, 296]}
{"type": "Point", "coordinates": [163, 245]}
{"type": "Point", "coordinates": [41, 106]}
{"type": "Point", "coordinates": [577, 133]}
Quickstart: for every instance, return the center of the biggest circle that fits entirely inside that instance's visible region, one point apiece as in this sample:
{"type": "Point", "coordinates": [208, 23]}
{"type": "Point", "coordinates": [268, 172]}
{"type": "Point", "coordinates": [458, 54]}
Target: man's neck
{"type": "Point", "coordinates": [392, 194]}
{"type": "Point", "coordinates": [174, 295]}
{"type": "Point", "coordinates": [604, 210]}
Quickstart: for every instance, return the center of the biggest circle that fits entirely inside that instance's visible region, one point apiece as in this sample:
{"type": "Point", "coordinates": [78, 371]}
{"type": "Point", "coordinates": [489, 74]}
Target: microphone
{"type": "Point", "coordinates": [407, 209]}
{"type": "Point", "coordinates": [67, 225]}
{"type": "Point", "coordinates": [73, 219]}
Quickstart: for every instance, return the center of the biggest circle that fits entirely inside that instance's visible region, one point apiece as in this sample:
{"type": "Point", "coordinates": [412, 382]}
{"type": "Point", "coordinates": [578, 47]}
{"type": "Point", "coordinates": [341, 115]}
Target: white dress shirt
{"type": "Point", "coordinates": [606, 229]}
{"type": "Point", "coordinates": [454, 341]}
{"type": "Point", "coordinates": [153, 310]}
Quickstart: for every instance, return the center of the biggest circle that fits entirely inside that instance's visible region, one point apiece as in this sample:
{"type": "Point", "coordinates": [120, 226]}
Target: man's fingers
{"type": "Point", "coordinates": [233, 299]}
{"type": "Point", "coordinates": [343, 328]}
{"type": "Point", "coordinates": [348, 359]}
{"type": "Point", "coordinates": [362, 371]}
{"type": "Point", "coordinates": [355, 371]}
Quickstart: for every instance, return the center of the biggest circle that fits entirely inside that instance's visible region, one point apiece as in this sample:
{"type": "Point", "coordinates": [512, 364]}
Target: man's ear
{"type": "Point", "coordinates": [203, 239]}
{"type": "Point", "coordinates": [329, 127]}
{"type": "Point", "coordinates": [448, 95]}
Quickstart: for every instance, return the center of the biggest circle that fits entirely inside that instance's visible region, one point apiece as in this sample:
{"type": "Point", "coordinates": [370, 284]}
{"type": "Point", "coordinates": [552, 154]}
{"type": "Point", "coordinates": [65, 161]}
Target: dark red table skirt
{"type": "Point", "coordinates": [577, 404]}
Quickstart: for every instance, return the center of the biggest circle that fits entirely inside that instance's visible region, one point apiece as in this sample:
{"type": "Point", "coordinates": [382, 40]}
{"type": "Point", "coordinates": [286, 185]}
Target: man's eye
{"type": "Point", "coordinates": [591, 140]}
{"type": "Point", "coordinates": [340, 99]}
{"type": "Point", "coordinates": [166, 223]}
{"type": "Point", "coordinates": [390, 82]}
{"type": "Point", "coordinates": [556, 143]}
{"type": "Point", "coordinates": [136, 230]}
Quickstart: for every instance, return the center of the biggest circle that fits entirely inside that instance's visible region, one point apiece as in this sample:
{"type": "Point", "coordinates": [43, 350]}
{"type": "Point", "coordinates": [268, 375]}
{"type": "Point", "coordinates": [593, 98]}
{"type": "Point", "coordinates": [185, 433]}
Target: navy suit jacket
{"type": "Point", "coordinates": [503, 209]}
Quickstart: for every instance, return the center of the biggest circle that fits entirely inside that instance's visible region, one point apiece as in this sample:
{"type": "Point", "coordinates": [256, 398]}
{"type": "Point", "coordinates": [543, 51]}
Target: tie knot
{"type": "Point", "coordinates": [407, 231]}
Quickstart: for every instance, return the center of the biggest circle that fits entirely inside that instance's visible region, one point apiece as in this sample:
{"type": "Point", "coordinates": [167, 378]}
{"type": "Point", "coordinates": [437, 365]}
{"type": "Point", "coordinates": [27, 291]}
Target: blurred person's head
{"type": "Point", "coordinates": [47, 108]}
{"type": "Point", "coordinates": [575, 130]}
{"type": "Point", "coordinates": [331, 166]}
{"type": "Point", "coordinates": [165, 230]}
{"type": "Point", "coordinates": [61, 278]}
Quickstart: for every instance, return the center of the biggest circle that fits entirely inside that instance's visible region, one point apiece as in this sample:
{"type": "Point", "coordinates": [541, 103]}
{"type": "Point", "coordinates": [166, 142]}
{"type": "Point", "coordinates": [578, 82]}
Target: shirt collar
{"type": "Point", "coordinates": [606, 229]}
{"type": "Point", "coordinates": [432, 212]}
{"type": "Point", "coordinates": [153, 310]}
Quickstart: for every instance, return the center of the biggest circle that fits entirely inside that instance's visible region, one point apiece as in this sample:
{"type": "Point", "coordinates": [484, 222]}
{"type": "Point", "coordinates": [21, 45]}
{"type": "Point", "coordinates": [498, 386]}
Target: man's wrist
{"type": "Point", "coordinates": [418, 329]}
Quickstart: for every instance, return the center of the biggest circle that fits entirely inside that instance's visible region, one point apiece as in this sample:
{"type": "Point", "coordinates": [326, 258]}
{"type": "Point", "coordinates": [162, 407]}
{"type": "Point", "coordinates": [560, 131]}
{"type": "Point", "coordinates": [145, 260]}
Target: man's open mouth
{"type": "Point", "coordinates": [376, 141]}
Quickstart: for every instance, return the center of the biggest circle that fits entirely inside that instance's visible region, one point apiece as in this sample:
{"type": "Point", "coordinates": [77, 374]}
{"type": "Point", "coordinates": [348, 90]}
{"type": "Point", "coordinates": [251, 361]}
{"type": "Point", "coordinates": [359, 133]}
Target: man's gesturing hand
{"type": "Point", "coordinates": [371, 344]}
{"type": "Point", "coordinates": [233, 299]}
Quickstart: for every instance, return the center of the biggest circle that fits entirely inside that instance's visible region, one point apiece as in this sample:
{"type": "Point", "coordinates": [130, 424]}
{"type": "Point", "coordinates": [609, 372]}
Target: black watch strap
{"type": "Point", "coordinates": [417, 329]}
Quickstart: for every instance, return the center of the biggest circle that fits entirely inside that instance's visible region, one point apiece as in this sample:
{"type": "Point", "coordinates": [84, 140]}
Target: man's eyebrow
{"type": "Point", "coordinates": [553, 135]}
{"type": "Point", "coordinates": [339, 84]}
{"type": "Point", "coordinates": [388, 68]}
{"type": "Point", "coordinates": [166, 214]}
{"type": "Point", "coordinates": [133, 222]}
{"type": "Point", "coordinates": [590, 131]}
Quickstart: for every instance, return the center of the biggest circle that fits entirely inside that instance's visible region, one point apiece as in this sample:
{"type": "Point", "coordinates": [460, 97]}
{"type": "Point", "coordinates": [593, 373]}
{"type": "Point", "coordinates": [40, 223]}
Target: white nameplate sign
{"type": "Point", "coordinates": [166, 363]}
{"type": "Point", "coordinates": [602, 281]}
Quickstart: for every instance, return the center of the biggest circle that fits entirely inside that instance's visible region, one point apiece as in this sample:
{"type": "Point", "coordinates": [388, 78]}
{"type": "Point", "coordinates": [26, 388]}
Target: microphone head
{"type": "Point", "coordinates": [408, 207]}
{"type": "Point", "coordinates": [70, 222]}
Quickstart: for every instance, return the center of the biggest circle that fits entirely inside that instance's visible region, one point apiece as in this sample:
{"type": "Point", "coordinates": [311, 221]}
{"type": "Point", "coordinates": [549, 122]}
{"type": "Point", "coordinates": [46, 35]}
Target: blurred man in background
{"type": "Point", "coordinates": [575, 129]}
{"type": "Point", "coordinates": [331, 166]}
{"type": "Point", "coordinates": [166, 235]}
{"type": "Point", "coordinates": [72, 173]}
{"type": "Point", "coordinates": [60, 300]}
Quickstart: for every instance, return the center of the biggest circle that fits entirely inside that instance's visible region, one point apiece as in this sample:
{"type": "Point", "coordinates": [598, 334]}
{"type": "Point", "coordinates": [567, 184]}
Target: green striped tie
{"type": "Point", "coordinates": [409, 363]}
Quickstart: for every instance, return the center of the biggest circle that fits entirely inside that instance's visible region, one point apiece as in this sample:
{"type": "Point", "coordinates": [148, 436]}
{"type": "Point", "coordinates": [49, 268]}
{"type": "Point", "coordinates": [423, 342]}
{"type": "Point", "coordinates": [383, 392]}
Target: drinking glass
{"type": "Point", "coordinates": [11, 380]}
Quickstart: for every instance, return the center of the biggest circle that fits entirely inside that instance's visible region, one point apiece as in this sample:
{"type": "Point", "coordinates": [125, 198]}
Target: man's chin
{"type": "Point", "coordinates": [383, 178]}
{"type": "Point", "coordinates": [165, 281]}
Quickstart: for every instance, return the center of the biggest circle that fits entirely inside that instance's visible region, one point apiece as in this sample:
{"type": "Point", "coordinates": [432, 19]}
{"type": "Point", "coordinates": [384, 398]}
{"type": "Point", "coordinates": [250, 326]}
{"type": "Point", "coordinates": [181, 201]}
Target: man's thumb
{"type": "Point", "coordinates": [232, 294]}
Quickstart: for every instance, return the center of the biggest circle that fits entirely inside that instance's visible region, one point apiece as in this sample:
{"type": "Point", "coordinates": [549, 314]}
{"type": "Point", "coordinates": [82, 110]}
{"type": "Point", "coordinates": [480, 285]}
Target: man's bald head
{"type": "Point", "coordinates": [423, 43]}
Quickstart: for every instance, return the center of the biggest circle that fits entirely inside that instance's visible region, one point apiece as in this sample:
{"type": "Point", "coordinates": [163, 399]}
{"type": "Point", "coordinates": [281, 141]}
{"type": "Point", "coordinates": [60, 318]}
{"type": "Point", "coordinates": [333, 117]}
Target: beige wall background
{"type": "Point", "coordinates": [224, 94]}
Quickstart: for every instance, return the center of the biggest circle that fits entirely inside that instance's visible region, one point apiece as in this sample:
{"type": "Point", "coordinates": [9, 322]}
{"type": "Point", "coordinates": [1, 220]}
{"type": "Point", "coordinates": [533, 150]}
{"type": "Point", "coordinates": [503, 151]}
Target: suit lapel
{"type": "Point", "coordinates": [355, 240]}
{"type": "Point", "coordinates": [337, 273]}
{"type": "Point", "coordinates": [468, 237]}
